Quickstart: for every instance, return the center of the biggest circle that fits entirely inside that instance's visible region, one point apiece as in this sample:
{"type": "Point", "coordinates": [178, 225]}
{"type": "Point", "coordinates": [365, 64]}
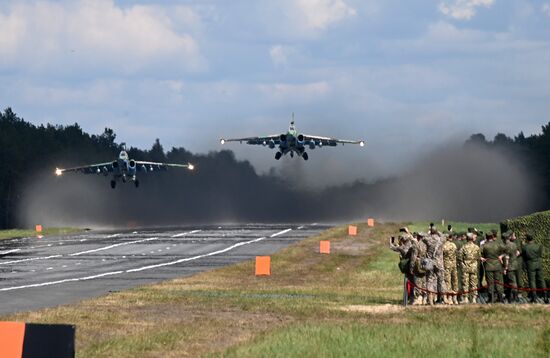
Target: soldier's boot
{"type": "Point", "coordinates": [474, 299]}
{"type": "Point", "coordinates": [499, 297]}
{"type": "Point", "coordinates": [424, 300]}
{"type": "Point", "coordinates": [417, 301]}
{"type": "Point", "coordinates": [455, 300]}
{"type": "Point", "coordinates": [445, 300]}
{"type": "Point", "coordinates": [431, 299]}
{"type": "Point", "coordinates": [465, 300]}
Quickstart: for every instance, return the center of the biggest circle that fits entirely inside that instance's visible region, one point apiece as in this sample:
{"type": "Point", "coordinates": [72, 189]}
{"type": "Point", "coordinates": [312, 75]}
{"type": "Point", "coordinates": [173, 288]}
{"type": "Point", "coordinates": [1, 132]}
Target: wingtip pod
{"type": "Point", "coordinates": [190, 166]}
{"type": "Point", "coordinates": [222, 141]}
{"type": "Point", "coordinates": [362, 143]}
{"type": "Point", "coordinates": [58, 171]}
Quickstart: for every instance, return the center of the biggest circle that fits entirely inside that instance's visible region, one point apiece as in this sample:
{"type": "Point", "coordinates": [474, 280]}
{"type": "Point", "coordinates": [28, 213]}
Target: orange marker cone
{"type": "Point", "coordinates": [352, 230]}
{"type": "Point", "coordinates": [12, 335]}
{"type": "Point", "coordinates": [38, 228]}
{"type": "Point", "coordinates": [263, 265]}
{"type": "Point", "coordinates": [370, 222]}
{"type": "Point", "coordinates": [324, 247]}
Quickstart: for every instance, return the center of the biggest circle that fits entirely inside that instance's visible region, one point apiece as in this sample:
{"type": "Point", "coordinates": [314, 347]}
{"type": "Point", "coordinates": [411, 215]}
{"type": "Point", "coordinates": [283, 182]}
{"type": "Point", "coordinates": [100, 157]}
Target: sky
{"type": "Point", "coordinates": [406, 76]}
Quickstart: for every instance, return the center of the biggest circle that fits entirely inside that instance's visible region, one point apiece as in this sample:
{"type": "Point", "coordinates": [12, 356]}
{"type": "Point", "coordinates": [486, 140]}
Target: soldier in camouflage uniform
{"type": "Point", "coordinates": [469, 256]}
{"type": "Point", "coordinates": [459, 242]}
{"type": "Point", "coordinates": [435, 278]}
{"type": "Point", "coordinates": [418, 253]}
{"type": "Point", "coordinates": [532, 254]}
{"type": "Point", "coordinates": [404, 250]}
{"type": "Point", "coordinates": [510, 266]}
{"type": "Point", "coordinates": [519, 264]}
{"type": "Point", "coordinates": [451, 278]}
{"type": "Point", "coordinates": [491, 256]}
{"type": "Point", "coordinates": [480, 241]}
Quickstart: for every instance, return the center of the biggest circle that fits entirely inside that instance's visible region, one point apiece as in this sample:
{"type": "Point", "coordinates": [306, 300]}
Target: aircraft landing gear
{"type": "Point", "coordinates": [305, 156]}
{"type": "Point", "coordinates": [136, 183]}
{"type": "Point", "coordinates": [292, 154]}
{"type": "Point", "coordinates": [278, 155]}
{"type": "Point", "coordinates": [113, 184]}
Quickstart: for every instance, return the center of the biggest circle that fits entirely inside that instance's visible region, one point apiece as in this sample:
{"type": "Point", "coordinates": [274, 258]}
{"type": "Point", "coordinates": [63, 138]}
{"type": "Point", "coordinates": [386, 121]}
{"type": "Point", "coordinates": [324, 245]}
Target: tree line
{"type": "Point", "coordinates": [223, 189]}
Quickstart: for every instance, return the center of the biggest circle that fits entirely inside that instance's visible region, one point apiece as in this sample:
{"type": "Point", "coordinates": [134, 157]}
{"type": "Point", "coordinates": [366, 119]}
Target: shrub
{"type": "Point", "coordinates": [538, 225]}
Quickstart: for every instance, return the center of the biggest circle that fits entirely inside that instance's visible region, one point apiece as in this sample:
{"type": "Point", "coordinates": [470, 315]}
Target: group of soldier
{"type": "Point", "coordinates": [449, 268]}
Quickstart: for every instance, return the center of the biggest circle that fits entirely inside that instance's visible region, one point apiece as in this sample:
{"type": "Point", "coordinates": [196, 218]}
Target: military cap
{"type": "Point", "coordinates": [494, 232]}
{"type": "Point", "coordinates": [422, 234]}
{"type": "Point", "coordinates": [529, 237]}
{"type": "Point", "coordinates": [470, 236]}
{"type": "Point", "coordinates": [506, 234]}
{"type": "Point", "coordinates": [471, 229]}
{"type": "Point", "coordinates": [404, 236]}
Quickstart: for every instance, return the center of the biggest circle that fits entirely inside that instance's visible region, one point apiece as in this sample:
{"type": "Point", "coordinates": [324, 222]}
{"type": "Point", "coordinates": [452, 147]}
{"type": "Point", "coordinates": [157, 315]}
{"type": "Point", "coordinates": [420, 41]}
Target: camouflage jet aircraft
{"type": "Point", "coordinates": [293, 142]}
{"type": "Point", "coordinates": [123, 168]}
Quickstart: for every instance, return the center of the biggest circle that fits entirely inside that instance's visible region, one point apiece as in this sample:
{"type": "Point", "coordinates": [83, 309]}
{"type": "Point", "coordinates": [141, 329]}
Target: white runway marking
{"type": "Point", "coordinates": [62, 281]}
{"type": "Point", "coordinates": [187, 233]}
{"type": "Point", "coordinates": [113, 246]}
{"type": "Point", "coordinates": [239, 244]}
{"type": "Point", "coordinates": [30, 259]}
{"type": "Point", "coordinates": [281, 232]}
{"type": "Point", "coordinates": [9, 251]}
{"type": "Point", "coordinates": [89, 251]}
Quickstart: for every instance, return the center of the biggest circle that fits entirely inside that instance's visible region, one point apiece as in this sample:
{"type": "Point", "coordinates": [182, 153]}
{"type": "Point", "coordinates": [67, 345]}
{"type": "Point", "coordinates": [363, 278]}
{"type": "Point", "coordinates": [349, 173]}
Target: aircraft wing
{"type": "Point", "coordinates": [88, 169]}
{"type": "Point", "coordinates": [331, 142]}
{"type": "Point", "coordinates": [146, 166]}
{"type": "Point", "coordinates": [276, 138]}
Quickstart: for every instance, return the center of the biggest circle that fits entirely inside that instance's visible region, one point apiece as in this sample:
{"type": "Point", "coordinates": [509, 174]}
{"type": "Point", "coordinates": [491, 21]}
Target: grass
{"type": "Point", "coordinates": [343, 304]}
{"type": "Point", "coordinates": [17, 233]}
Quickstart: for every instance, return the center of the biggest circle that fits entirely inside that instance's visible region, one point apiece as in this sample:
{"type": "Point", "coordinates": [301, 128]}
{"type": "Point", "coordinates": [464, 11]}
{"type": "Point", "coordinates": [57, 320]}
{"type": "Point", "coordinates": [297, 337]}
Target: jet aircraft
{"type": "Point", "coordinates": [123, 168]}
{"type": "Point", "coordinates": [293, 142]}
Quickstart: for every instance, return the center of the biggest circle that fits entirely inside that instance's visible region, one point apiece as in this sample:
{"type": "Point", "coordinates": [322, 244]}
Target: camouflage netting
{"type": "Point", "coordinates": [538, 225]}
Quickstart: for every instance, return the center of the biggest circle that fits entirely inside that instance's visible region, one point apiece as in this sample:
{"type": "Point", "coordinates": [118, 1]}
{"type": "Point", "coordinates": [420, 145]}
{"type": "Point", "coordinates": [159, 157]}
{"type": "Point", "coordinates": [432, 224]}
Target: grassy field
{"type": "Point", "coordinates": [17, 233]}
{"type": "Point", "coordinates": [313, 305]}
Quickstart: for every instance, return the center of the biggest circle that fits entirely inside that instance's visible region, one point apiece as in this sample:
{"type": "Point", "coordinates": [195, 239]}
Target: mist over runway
{"type": "Point", "coordinates": [56, 270]}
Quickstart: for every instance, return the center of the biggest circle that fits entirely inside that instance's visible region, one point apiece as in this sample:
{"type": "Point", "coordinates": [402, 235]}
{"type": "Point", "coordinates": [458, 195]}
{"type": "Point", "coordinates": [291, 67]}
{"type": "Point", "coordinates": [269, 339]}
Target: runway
{"type": "Point", "coordinates": [56, 270]}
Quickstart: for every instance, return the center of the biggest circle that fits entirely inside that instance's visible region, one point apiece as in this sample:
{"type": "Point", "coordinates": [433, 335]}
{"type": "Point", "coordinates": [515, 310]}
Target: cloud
{"type": "Point", "coordinates": [278, 55]}
{"type": "Point", "coordinates": [545, 8]}
{"type": "Point", "coordinates": [68, 35]}
{"type": "Point", "coordinates": [319, 14]}
{"type": "Point", "coordinates": [309, 18]}
{"type": "Point", "coordinates": [295, 93]}
{"type": "Point", "coordinates": [463, 9]}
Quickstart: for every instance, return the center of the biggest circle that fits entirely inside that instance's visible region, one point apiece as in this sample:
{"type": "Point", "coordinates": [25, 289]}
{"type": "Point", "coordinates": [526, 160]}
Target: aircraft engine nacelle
{"type": "Point", "coordinates": [283, 138]}
{"type": "Point", "coordinates": [300, 139]}
{"type": "Point", "coordinates": [115, 166]}
{"type": "Point", "coordinates": [312, 145]}
{"type": "Point", "coordinates": [271, 144]}
{"type": "Point", "coordinates": [132, 167]}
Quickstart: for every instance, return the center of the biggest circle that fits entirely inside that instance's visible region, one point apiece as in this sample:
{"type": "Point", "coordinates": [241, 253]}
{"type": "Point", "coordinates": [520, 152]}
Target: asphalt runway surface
{"type": "Point", "coordinates": [56, 270]}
